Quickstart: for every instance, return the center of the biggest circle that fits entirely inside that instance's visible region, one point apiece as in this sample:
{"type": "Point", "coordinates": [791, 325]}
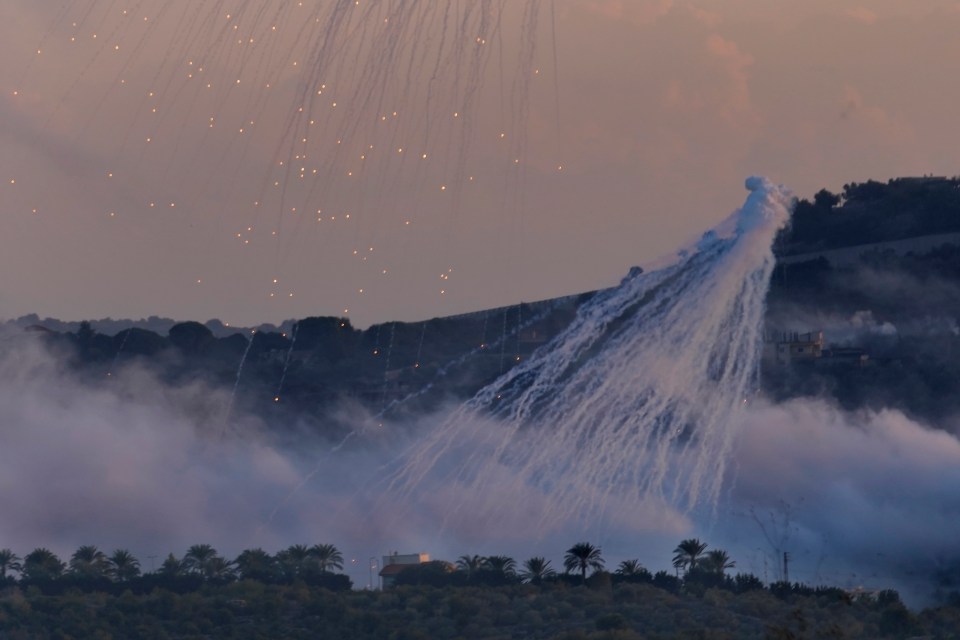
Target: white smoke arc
{"type": "Point", "coordinates": [634, 401]}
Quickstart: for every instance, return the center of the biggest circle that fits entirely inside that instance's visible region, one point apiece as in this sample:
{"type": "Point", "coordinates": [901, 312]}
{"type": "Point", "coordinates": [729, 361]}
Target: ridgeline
{"type": "Point", "coordinates": [875, 267]}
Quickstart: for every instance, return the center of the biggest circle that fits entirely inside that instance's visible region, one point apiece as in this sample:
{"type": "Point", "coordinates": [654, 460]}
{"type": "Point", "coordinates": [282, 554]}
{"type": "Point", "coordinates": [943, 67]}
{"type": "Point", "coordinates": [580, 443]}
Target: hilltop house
{"type": "Point", "coordinates": [786, 347]}
{"type": "Point", "coordinates": [394, 563]}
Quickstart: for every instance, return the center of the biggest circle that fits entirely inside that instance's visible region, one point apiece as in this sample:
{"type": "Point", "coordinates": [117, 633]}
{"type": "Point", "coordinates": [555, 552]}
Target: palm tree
{"type": "Point", "coordinates": [327, 557]}
{"type": "Point", "coordinates": [470, 564]}
{"type": "Point", "coordinates": [717, 561]}
{"type": "Point", "coordinates": [687, 554]}
{"type": "Point", "coordinates": [123, 566]}
{"type": "Point", "coordinates": [89, 562]}
{"type": "Point", "coordinates": [294, 560]}
{"type": "Point", "coordinates": [256, 564]}
{"type": "Point", "coordinates": [172, 567]}
{"type": "Point", "coordinates": [42, 564]}
{"type": "Point", "coordinates": [198, 559]}
{"type": "Point", "coordinates": [9, 561]}
{"type": "Point", "coordinates": [536, 569]}
{"type": "Point", "coordinates": [630, 569]}
{"type": "Point", "coordinates": [502, 565]}
{"type": "Point", "coordinates": [219, 568]}
{"type": "Point", "coordinates": [583, 556]}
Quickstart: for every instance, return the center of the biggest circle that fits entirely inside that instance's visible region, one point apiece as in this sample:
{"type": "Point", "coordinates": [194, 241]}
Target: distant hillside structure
{"type": "Point", "coordinates": [853, 356]}
{"type": "Point", "coordinates": [394, 563]}
{"type": "Point", "coordinates": [789, 347]}
{"type": "Point", "coordinates": [786, 348]}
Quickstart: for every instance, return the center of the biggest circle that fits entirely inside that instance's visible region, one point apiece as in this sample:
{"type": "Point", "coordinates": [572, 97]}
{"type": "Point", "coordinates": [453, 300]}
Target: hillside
{"type": "Point", "coordinates": [897, 303]}
{"type": "Point", "coordinates": [604, 610]}
{"type": "Point", "coordinates": [877, 269]}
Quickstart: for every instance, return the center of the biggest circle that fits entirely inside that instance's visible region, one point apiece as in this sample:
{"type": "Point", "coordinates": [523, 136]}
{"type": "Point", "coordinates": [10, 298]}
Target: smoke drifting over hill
{"type": "Point", "coordinates": [865, 498]}
{"type": "Point", "coordinates": [855, 498]}
{"type": "Point", "coordinates": [128, 462]}
{"type": "Point", "coordinates": [159, 453]}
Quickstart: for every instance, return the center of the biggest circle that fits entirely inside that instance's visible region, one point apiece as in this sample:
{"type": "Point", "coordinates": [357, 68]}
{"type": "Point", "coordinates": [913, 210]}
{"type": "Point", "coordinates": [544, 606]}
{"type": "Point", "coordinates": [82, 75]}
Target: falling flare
{"type": "Point", "coordinates": [639, 394]}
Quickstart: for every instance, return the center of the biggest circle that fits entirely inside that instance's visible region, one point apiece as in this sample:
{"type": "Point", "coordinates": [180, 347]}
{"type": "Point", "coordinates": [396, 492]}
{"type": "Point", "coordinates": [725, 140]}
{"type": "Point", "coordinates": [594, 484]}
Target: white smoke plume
{"type": "Point", "coordinates": [130, 462]}
{"type": "Point", "coordinates": [633, 402]}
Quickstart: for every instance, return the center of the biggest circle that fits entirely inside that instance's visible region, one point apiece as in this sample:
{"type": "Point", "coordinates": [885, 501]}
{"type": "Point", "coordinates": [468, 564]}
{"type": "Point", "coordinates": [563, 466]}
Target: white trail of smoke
{"type": "Point", "coordinates": [236, 384]}
{"type": "Point", "coordinates": [635, 400]}
{"type": "Point", "coordinates": [286, 361]}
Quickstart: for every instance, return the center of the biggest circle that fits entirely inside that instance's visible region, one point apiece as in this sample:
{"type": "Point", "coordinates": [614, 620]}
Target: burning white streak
{"type": "Point", "coordinates": [633, 402]}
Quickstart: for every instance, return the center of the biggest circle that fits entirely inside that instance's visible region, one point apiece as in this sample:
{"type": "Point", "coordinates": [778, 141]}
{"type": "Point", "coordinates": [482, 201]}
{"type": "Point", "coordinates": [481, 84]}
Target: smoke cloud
{"type": "Point", "coordinates": [132, 462]}
{"type": "Point", "coordinates": [866, 499]}
{"type": "Point", "coordinates": [856, 499]}
{"type": "Point", "coordinates": [127, 462]}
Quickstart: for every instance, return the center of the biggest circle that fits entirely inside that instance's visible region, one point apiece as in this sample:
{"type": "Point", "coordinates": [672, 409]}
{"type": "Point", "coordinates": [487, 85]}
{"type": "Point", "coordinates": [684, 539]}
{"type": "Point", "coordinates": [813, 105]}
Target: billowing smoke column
{"type": "Point", "coordinates": [633, 403]}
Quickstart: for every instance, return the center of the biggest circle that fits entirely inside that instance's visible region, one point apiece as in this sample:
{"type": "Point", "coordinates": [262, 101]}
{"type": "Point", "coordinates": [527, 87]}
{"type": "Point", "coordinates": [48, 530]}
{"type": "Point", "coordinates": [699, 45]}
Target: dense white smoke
{"type": "Point", "coordinates": [868, 499]}
{"type": "Point", "coordinates": [633, 402]}
{"type": "Point", "coordinates": [128, 463]}
{"type": "Point", "coordinates": [132, 462]}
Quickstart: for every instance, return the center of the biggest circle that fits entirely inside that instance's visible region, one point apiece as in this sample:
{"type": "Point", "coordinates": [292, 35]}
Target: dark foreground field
{"type": "Point", "coordinates": [601, 609]}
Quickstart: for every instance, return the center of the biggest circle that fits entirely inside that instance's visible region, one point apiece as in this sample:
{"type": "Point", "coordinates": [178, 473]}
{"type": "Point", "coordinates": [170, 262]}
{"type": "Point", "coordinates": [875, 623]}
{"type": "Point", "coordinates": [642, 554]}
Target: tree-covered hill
{"type": "Point", "coordinates": [896, 302]}
{"type": "Point", "coordinates": [604, 610]}
{"type": "Point", "coordinates": [297, 593]}
{"type": "Point", "coordinates": [899, 307]}
{"type": "Point", "coordinates": [872, 212]}
{"type": "Point", "coordinates": [299, 376]}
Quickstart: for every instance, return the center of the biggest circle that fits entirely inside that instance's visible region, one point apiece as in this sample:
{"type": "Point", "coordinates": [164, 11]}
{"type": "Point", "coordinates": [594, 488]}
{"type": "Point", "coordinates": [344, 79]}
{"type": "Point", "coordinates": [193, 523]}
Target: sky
{"type": "Point", "coordinates": [603, 134]}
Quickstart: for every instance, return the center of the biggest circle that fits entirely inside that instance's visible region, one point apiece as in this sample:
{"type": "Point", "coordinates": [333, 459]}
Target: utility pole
{"type": "Point", "coordinates": [786, 567]}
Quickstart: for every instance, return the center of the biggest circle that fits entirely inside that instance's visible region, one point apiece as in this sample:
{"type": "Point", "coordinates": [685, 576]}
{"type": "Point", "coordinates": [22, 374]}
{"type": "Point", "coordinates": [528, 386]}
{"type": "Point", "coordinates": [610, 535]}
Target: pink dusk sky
{"type": "Point", "coordinates": [140, 152]}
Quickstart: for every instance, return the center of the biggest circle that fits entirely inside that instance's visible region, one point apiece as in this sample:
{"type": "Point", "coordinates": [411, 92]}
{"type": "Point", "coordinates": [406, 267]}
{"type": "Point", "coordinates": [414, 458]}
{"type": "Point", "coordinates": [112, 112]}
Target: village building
{"type": "Point", "coordinates": [394, 563]}
{"type": "Point", "coordinates": [789, 347]}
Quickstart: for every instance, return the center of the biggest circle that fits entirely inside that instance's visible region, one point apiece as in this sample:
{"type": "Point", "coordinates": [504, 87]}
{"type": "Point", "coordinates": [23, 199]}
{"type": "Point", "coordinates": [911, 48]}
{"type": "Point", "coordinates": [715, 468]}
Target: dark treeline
{"type": "Point", "coordinates": [298, 375]}
{"type": "Point", "coordinates": [871, 212]}
{"type": "Point", "coordinates": [297, 594]}
{"type": "Point", "coordinates": [90, 569]}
